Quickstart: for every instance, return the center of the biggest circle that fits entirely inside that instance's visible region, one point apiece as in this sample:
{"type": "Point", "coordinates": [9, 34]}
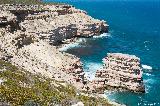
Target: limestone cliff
{"type": "Point", "coordinates": [120, 71]}
{"type": "Point", "coordinates": [32, 70]}
{"type": "Point", "coordinates": [29, 33]}
{"type": "Point", "coordinates": [54, 23]}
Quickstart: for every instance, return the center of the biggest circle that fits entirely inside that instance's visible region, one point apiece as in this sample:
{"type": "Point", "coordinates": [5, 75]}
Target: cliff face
{"type": "Point", "coordinates": [28, 34]}
{"type": "Point", "coordinates": [30, 62]}
{"type": "Point", "coordinates": [55, 23]}
{"type": "Point", "coordinates": [121, 71]}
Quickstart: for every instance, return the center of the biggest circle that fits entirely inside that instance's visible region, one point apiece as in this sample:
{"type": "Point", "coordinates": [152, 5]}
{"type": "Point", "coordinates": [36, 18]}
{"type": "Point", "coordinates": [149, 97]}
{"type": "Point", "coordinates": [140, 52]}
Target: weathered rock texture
{"type": "Point", "coordinates": [121, 71]}
{"type": "Point", "coordinates": [28, 34]}
{"type": "Point", "coordinates": [54, 23]}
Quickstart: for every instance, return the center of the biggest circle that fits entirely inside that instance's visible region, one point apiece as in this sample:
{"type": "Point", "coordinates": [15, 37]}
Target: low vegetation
{"type": "Point", "coordinates": [20, 1]}
{"type": "Point", "coordinates": [24, 2]}
{"type": "Point", "coordinates": [19, 87]}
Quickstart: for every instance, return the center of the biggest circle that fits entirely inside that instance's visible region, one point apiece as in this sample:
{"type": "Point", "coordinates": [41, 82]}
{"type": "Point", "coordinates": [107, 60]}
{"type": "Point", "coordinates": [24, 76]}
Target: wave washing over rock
{"type": "Point", "coordinates": [71, 45]}
{"type": "Point", "coordinates": [102, 35]}
{"type": "Point", "coordinates": [91, 70]}
{"type": "Point", "coordinates": [79, 41]}
{"type": "Point", "coordinates": [146, 67]}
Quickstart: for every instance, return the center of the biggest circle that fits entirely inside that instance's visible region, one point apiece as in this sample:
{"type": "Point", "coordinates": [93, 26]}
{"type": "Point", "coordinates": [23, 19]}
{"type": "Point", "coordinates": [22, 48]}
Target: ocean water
{"type": "Point", "coordinates": [134, 29]}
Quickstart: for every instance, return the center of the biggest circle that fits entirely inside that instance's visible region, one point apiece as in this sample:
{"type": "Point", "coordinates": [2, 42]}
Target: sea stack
{"type": "Point", "coordinates": [121, 71]}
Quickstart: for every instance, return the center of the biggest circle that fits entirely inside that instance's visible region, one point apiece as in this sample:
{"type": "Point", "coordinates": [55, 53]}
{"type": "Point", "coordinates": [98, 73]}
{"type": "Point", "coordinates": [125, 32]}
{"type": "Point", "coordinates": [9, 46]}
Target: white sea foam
{"type": "Point", "coordinates": [146, 67]}
{"type": "Point", "coordinates": [148, 84]}
{"type": "Point", "coordinates": [80, 40]}
{"type": "Point", "coordinates": [102, 35]}
{"type": "Point", "coordinates": [90, 75]}
{"type": "Point", "coordinates": [72, 45]}
{"type": "Point", "coordinates": [68, 46]}
{"type": "Point", "coordinates": [147, 74]}
{"type": "Point", "coordinates": [91, 68]}
{"type": "Point", "coordinates": [149, 81]}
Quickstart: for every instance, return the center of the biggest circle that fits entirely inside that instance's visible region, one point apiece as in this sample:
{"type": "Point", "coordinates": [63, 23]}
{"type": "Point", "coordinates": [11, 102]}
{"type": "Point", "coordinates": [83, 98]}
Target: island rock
{"type": "Point", "coordinates": [120, 71]}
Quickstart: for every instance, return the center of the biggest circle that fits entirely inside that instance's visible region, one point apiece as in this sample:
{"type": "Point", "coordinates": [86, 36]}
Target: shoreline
{"type": "Point", "coordinates": [103, 95]}
{"type": "Point", "coordinates": [37, 49]}
{"type": "Point", "coordinates": [112, 102]}
{"type": "Point", "coordinates": [30, 34]}
{"type": "Point", "coordinates": [75, 43]}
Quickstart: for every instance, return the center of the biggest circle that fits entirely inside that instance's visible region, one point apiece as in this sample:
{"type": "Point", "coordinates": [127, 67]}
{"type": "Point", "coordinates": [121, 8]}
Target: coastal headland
{"type": "Point", "coordinates": [33, 70]}
{"type": "Point", "coordinates": [30, 36]}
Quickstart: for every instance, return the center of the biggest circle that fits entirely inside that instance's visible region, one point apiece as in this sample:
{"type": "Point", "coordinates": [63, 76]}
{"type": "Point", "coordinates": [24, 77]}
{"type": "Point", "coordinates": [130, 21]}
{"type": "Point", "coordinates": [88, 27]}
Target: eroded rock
{"type": "Point", "coordinates": [39, 27]}
{"type": "Point", "coordinates": [120, 71]}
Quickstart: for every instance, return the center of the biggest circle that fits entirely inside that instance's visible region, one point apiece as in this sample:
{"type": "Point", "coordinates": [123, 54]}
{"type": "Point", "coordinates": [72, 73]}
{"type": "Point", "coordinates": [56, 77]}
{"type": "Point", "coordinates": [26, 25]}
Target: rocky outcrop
{"type": "Point", "coordinates": [38, 57]}
{"type": "Point", "coordinates": [6, 16]}
{"type": "Point", "coordinates": [30, 32]}
{"type": "Point", "coordinates": [64, 27]}
{"type": "Point", "coordinates": [120, 71]}
{"type": "Point", "coordinates": [8, 20]}
{"type": "Point", "coordinates": [55, 23]}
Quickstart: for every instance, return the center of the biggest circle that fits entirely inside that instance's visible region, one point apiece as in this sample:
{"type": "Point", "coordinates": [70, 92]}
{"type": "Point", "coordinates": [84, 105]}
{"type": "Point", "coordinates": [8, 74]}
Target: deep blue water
{"type": "Point", "coordinates": [134, 29]}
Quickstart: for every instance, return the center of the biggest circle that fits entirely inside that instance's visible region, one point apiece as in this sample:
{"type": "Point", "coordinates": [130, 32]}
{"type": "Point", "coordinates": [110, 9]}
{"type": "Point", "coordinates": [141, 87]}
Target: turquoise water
{"type": "Point", "coordinates": [134, 29]}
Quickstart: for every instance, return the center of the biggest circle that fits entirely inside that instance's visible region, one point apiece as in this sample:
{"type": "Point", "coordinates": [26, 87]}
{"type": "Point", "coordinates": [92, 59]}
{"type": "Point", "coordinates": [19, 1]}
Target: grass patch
{"type": "Point", "coordinates": [23, 88]}
{"type": "Point", "coordinates": [25, 2]}
{"type": "Point", "coordinates": [20, 2]}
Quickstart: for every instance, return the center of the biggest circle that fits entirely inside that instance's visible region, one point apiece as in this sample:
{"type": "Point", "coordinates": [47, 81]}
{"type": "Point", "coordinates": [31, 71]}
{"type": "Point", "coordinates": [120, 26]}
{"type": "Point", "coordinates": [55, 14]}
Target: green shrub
{"type": "Point", "coordinates": [25, 2]}
{"type": "Point", "coordinates": [24, 88]}
{"type": "Point", "coordinates": [20, 1]}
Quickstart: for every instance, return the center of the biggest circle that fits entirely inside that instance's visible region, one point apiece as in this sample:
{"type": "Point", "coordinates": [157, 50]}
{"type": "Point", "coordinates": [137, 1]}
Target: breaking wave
{"type": "Point", "coordinates": [90, 69]}
{"type": "Point", "coordinates": [146, 67]}
{"type": "Point", "coordinates": [102, 35]}
{"type": "Point", "coordinates": [72, 45]}
{"type": "Point", "coordinates": [80, 41]}
{"type": "Point", "coordinates": [148, 74]}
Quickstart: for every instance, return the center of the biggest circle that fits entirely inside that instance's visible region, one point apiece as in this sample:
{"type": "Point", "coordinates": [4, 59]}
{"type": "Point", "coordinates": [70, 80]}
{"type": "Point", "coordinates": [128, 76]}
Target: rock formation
{"type": "Point", "coordinates": [120, 71]}
{"type": "Point", "coordinates": [29, 33]}
{"type": "Point", "coordinates": [55, 23]}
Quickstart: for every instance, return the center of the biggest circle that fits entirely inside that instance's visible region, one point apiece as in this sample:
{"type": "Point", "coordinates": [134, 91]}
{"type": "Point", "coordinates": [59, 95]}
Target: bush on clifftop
{"type": "Point", "coordinates": [20, 1]}
{"type": "Point", "coordinates": [25, 2]}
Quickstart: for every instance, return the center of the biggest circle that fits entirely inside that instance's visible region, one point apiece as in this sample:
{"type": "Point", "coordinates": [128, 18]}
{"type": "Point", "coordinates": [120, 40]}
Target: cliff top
{"type": "Point", "coordinates": [125, 56]}
{"type": "Point", "coordinates": [24, 2]}
{"type": "Point", "coordinates": [20, 1]}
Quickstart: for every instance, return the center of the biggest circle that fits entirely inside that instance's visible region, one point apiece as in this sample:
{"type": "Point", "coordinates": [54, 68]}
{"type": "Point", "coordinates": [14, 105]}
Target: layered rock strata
{"type": "Point", "coordinates": [38, 57]}
{"type": "Point", "coordinates": [120, 71]}
{"type": "Point", "coordinates": [55, 23]}
{"type": "Point", "coordinates": [30, 32]}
